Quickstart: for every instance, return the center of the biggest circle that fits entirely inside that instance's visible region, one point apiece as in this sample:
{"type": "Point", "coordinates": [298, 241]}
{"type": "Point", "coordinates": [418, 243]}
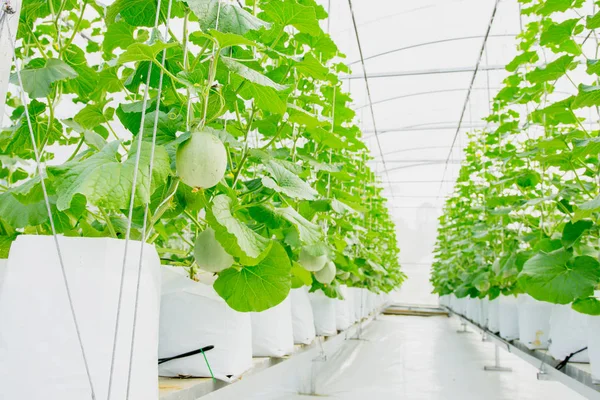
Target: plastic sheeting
{"type": "Point", "coordinates": [483, 311]}
{"type": "Point", "coordinates": [38, 341]}
{"type": "Point", "coordinates": [534, 322]}
{"type": "Point", "coordinates": [493, 321]}
{"type": "Point", "coordinates": [343, 320]}
{"type": "Point", "coordinates": [303, 322]}
{"type": "Point", "coordinates": [324, 313]}
{"type": "Point", "coordinates": [192, 316]}
{"type": "Point", "coordinates": [272, 332]}
{"type": "Point", "coordinates": [568, 333]}
{"type": "Point", "coordinates": [508, 317]}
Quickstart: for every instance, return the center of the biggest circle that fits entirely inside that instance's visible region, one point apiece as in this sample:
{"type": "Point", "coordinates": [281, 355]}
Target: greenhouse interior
{"type": "Point", "coordinates": [285, 199]}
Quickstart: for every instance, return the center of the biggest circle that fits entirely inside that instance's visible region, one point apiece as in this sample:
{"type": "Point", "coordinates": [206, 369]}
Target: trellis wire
{"type": "Point", "coordinates": [130, 214]}
{"type": "Point", "coordinates": [147, 207]}
{"type": "Point", "coordinates": [48, 206]}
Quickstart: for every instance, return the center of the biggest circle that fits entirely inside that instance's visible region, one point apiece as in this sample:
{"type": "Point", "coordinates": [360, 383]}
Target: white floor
{"type": "Point", "coordinates": [420, 358]}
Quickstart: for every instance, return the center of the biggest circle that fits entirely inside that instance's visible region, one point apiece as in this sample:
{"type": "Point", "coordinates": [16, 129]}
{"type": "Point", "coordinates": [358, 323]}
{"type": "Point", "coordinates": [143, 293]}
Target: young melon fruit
{"type": "Point", "coordinates": [201, 160]}
{"type": "Point", "coordinates": [327, 274]}
{"type": "Point", "coordinates": [310, 262]}
{"type": "Point", "coordinates": [210, 255]}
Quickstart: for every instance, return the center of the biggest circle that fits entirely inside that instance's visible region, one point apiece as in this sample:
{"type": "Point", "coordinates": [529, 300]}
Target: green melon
{"type": "Point", "coordinates": [310, 262]}
{"type": "Point", "coordinates": [327, 274]}
{"type": "Point", "coordinates": [210, 255]}
{"type": "Point", "coordinates": [201, 160]}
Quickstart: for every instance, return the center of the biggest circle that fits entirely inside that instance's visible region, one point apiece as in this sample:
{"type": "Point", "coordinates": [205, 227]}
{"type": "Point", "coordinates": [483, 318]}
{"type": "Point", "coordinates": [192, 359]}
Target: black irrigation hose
{"type": "Point", "coordinates": [188, 354]}
{"type": "Point", "coordinates": [564, 362]}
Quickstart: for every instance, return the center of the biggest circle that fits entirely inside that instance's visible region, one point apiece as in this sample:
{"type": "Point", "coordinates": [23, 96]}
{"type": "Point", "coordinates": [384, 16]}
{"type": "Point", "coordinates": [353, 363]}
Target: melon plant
{"type": "Point", "coordinates": [250, 110]}
{"type": "Point", "coordinates": [209, 254]}
{"type": "Point", "coordinates": [201, 160]}
{"type": "Point", "coordinates": [524, 215]}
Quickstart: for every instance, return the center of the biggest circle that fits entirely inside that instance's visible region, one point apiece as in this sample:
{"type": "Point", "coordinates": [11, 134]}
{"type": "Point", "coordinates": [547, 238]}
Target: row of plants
{"type": "Point", "coordinates": [523, 217]}
{"type": "Point", "coordinates": [258, 170]}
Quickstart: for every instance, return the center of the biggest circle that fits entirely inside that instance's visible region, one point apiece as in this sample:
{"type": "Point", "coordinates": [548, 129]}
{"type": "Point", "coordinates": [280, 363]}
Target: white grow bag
{"type": "Point", "coordinates": [568, 334]}
{"type": "Point", "coordinates": [493, 317]}
{"type": "Point", "coordinates": [324, 313]}
{"type": "Point", "coordinates": [473, 309]}
{"type": "Point", "coordinates": [272, 332]}
{"type": "Point", "coordinates": [508, 318]}
{"type": "Point", "coordinates": [192, 316]}
{"type": "Point", "coordinates": [343, 320]}
{"type": "Point", "coordinates": [594, 343]}
{"type": "Point", "coordinates": [303, 322]}
{"type": "Point", "coordinates": [356, 294]}
{"type": "Point", "coordinates": [38, 339]}
{"type": "Point", "coordinates": [534, 322]}
{"type": "Point", "coordinates": [483, 312]}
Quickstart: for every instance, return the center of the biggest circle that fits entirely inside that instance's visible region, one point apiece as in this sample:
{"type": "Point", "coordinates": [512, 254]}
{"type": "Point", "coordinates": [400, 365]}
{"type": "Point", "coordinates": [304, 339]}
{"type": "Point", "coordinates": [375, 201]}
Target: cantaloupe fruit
{"type": "Point", "coordinates": [210, 255]}
{"type": "Point", "coordinates": [201, 160]}
{"type": "Point", "coordinates": [310, 262]}
{"type": "Point", "coordinates": [327, 274]}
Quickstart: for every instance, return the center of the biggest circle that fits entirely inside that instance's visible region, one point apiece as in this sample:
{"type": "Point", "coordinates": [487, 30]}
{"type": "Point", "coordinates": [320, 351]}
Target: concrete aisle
{"type": "Point", "coordinates": [424, 358]}
{"type": "Point", "coordinates": [413, 358]}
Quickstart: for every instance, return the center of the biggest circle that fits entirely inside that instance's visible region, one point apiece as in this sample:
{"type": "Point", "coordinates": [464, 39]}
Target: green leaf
{"type": "Point", "coordinates": [250, 74]}
{"type": "Point", "coordinates": [107, 182]}
{"type": "Point", "coordinates": [286, 13]}
{"type": "Point", "coordinates": [309, 232]}
{"type": "Point", "coordinates": [588, 96]}
{"type": "Point", "coordinates": [24, 205]}
{"type": "Point", "coordinates": [140, 12]}
{"type": "Point", "coordinates": [300, 276]}
{"type": "Point", "coordinates": [593, 21]}
{"type": "Point", "coordinates": [592, 205]}
{"type": "Point", "coordinates": [528, 57]}
{"type": "Point", "coordinates": [260, 287]}
{"type": "Point", "coordinates": [236, 237]}
{"type": "Point", "coordinates": [286, 182]}
{"type": "Point", "coordinates": [573, 231]}
{"type": "Point", "coordinates": [558, 278]}
{"type": "Point", "coordinates": [231, 39]}
{"type": "Point", "coordinates": [588, 305]}
{"type": "Point", "coordinates": [232, 19]}
{"type": "Point", "coordinates": [551, 6]}
{"type": "Point", "coordinates": [143, 52]}
{"type": "Point", "coordinates": [553, 70]}
{"type": "Point", "coordinates": [118, 35]}
{"type": "Point", "coordinates": [37, 82]}
{"type": "Point", "coordinates": [265, 98]}
{"type": "Point", "coordinates": [6, 242]}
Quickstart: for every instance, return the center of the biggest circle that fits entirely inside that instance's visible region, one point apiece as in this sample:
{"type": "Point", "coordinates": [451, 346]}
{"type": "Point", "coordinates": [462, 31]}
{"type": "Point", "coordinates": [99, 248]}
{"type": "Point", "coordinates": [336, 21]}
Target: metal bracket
{"type": "Point", "coordinates": [464, 328]}
{"type": "Point", "coordinates": [497, 367]}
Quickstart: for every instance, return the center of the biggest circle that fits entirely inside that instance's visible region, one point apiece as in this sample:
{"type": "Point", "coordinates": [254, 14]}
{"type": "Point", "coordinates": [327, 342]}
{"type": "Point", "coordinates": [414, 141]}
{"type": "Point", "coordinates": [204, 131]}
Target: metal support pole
{"type": "Point", "coordinates": [463, 329]}
{"type": "Point", "coordinates": [9, 16]}
{"type": "Point", "coordinates": [497, 367]}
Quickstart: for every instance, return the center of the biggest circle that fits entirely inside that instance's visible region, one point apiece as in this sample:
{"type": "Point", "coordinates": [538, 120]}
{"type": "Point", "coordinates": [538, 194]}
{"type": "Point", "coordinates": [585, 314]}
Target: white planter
{"type": "Point", "coordinates": [483, 312]}
{"type": "Point", "coordinates": [38, 333]}
{"type": "Point", "coordinates": [568, 333]}
{"type": "Point", "coordinates": [444, 300]}
{"type": "Point", "coordinates": [272, 332]}
{"type": "Point", "coordinates": [192, 316]}
{"type": "Point", "coordinates": [534, 322]}
{"type": "Point", "coordinates": [508, 318]}
{"type": "Point", "coordinates": [461, 306]}
{"type": "Point", "coordinates": [594, 343]}
{"type": "Point", "coordinates": [473, 309]}
{"type": "Point", "coordinates": [493, 320]}
{"type": "Point", "coordinates": [324, 313]}
{"type": "Point", "coordinates": [342, 311]}
{"type": "Point", "coordinates": [303, 322]}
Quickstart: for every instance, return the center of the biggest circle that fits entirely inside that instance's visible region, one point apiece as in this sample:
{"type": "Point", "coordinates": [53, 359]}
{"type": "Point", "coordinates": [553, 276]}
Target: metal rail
{"type": "Point", "coordinates": [572, 375]}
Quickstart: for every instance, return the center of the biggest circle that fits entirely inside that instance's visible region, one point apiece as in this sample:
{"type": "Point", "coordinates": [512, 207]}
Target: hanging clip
{"type": "Point", "coordinates": [8, 9]}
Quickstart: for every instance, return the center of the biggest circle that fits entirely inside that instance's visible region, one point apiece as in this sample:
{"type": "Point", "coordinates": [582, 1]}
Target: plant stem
{"type": "Point", "coordinates": [109, 224]}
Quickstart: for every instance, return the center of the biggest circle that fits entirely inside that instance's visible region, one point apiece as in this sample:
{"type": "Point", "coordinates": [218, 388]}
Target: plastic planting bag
{"type": "Point", "coordinates": [272, 332]}
{"type": "Point", "coordinates": [508, 318]}
{"type": "Point", "coordinates": [594, 343]}
{"type": "Point", "coordinates": [534, 322]}
{"type": "Point", "coordinates": [324, 313]}
{"type": "Point", "coordinates": [568, 334]}
{"type": "Point", "coordinates": [483, 312]}
{"type": "Point", "coordinates": [473, 309]}
{"type": "Point", "coordinates": [356, 294]}
{"type": "Point", "coordinates": [193, 316]}
{"type": "Point", "coordinates": [3, 267]}
{"type": "Point", "coordinates": [40, 355]}
{"type": "Point", "coordinates": [342, 311]}
{"type": "Point", "coordinates": [493, 320]}
{"type": "Point", "coordinates": [444, 301]}
{"type": "Point", "coordinates": [303, 323]}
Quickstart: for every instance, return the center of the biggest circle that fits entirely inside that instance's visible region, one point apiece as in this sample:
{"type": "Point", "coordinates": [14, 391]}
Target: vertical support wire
{"type": "Point", "coordinates": [130, 213]}
{"type": "Point", "coordinates": [147, 207]}
{"type": "Point", "coordinates": [49, 210]}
